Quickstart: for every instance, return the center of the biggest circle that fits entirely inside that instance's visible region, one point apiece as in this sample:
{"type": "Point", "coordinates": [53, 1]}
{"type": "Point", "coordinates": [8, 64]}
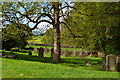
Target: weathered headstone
{"type": "Point", "coordinates": [46, 50]}
{"type": "Point", "coordinates": [118, 63]}
{"type": "Point", "coordinates": [67, 54]}
{"type": "Point", "coordinates": [36, 50]}
{"type": "Point", "coordinates": [101, 54]}
{"type": "Point", "coordinates": [30, 53]}
{"type": "Point", "coordinates": [91, 54]}
{"type": "Point", "coordinates": [111, 62]}
{"type": "Point", "coordinates": [76, 53]}
{"type": "Point", "coordinates": [71, 53]}
{"type": "Point", "coordinates": [52, 52]}
{"type": "Point", "coordinates": [41, 52]}
{"type": "Point", "coordinates": [62, 52]}
{"type": "Point", "coordinates": [83, 54]}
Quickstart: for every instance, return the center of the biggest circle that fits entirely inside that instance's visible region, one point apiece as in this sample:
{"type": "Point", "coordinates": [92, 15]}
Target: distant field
{"type": "Point", "coordinates": [49, 47]}
{"type": "Point", "coordinates": [32, 67]}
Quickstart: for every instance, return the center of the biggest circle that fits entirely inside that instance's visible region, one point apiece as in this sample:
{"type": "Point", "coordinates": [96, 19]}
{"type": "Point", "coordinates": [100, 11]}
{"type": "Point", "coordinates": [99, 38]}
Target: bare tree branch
{"type": "Point", "coordinates": [44, 14]}
{"type": "Point", "coordinates": [40, 22]}
{"type": "Point", "coordinates": [70, 30]}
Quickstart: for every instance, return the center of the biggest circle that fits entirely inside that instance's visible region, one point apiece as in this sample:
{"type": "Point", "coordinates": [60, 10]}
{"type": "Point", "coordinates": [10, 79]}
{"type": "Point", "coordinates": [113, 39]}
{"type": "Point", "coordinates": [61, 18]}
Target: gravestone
{"type": "Point", "coordinates": [76, 53]}
{"type": "Point", "coordinates": [30, 53]}
{"type": "Point", "coordinates": [111, 62]}
{"type": "Point", "coordinates": [101, 54]}
{"type": "Point", "coordinates": [67, 54]}
{"type": "Point", "coordinates": [46, 50]}
{"type": "Point", "coordinates": [118, 63]}
{"type": "Point", "coordinates": [91, 54]}
{"type": "Point", "coordinates": [41, 52]}
{"type": "Point", "coordinates": [52, 52]}
{"type": "Point", "coordinates": [71, 53]}
{"type": "Point", "coordinates": [36, 50]}
{"type": "Point", "coordinates": [0, 54]}
{"type": "Point", "coordinates": [83, 54]}
{"type": "Point", "coordinates": [62, 52]}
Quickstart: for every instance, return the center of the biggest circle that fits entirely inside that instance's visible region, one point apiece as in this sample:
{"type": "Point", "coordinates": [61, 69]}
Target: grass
{"type": "Point", "coordinates": [71, 67]}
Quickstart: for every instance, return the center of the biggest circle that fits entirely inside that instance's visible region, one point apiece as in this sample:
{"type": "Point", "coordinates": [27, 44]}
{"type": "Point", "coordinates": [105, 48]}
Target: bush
{"type": "Point", "coordinates": [15, 35]}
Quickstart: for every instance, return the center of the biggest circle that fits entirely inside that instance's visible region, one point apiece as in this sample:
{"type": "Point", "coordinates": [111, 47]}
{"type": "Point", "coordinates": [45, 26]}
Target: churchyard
{"type": "Point", "coordinates": [30, 63]}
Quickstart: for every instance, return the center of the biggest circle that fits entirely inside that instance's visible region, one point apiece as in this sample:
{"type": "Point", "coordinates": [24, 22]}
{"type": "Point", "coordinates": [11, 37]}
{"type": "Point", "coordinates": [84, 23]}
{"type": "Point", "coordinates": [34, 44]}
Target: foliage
{"type": "Point", "coordinates": [99, 27]}
{"type": "Point", "coordinates": [48, 37]}
{"type": "Point", "coordinates": [15, 35]}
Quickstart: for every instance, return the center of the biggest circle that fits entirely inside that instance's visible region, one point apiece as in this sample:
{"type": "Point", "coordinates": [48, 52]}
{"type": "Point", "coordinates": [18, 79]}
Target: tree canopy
{"type": "Point", "coordinates": [99, 28]}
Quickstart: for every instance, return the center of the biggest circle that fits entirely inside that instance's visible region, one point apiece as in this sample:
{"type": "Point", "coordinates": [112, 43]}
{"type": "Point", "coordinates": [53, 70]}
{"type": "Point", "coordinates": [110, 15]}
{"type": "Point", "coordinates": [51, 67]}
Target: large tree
{"type": "Point", "coordinates": [36, 12]}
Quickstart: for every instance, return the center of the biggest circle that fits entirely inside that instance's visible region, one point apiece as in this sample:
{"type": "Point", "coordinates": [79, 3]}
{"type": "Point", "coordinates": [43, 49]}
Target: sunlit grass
{"type": "Point", "coordinates": [33, 67]}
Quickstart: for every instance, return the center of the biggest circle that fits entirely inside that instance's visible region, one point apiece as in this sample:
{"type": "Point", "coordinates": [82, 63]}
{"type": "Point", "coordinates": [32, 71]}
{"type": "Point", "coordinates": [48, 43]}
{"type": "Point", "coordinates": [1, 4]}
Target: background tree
{"type": "Point", "coordinates": [48, 37]}
{"type": "Point", "coordinates": [15, 35]}
{"type": "Point", "coordinates": [99, 30]}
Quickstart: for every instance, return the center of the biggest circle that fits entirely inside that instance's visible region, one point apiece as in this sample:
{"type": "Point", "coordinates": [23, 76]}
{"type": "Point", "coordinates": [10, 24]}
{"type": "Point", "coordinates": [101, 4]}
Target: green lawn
{"type": "Point", "coordinates": [32, 67]}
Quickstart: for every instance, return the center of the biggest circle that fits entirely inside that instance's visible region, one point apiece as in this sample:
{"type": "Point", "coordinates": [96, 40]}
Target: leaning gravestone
{"type": "Point", "coordinates": [111, 62]}
{"type": "Point", "coordinates": [101, 54]}
{"type": "Point", "coordinates": [41, 52]}
{"type": "Point", "coordinates": [52, 52]}
{"type": "Point", "coordinates": [83, 54]}
{"type": "Point", "coordinates": [36, 50]}
{"type": "Point", "coordinates": [71, 53]}
{"type": "Point", "coordinates": [62, 52]}
{"type": "Point", "coordinates": [46, 50]}
{"type": "Point", "coordinates": [76, 53]}
{"type": "Point", "coordinates": [30, 53]}
{"type": "Point", "coordinates": [67, 54]}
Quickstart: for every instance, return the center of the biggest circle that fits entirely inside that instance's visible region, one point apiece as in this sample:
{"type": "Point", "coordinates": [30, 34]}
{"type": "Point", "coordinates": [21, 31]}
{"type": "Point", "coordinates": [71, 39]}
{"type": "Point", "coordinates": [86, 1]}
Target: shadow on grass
{"type": "Point", "coordinates": [68, 62]}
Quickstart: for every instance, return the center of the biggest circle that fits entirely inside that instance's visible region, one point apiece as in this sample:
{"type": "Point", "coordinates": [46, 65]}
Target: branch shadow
{"type": "Point", "coordinates": [68, 62]}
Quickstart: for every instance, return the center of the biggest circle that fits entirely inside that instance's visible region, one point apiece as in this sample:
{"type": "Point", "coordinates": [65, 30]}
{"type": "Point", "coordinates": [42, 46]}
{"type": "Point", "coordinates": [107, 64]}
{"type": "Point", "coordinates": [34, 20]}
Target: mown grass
{"type": "Point", "coordinates": [71, 67]}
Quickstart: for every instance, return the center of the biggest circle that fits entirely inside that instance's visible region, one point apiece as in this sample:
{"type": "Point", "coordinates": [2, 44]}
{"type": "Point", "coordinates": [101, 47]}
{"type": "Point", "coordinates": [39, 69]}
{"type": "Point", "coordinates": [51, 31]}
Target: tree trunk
{"type": "Point", "coordinates": [56, 26]}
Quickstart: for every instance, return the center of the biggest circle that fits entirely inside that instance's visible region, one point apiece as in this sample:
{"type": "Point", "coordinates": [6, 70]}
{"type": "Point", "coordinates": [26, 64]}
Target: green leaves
{"type": "Point", "coordinates": [100, 31]}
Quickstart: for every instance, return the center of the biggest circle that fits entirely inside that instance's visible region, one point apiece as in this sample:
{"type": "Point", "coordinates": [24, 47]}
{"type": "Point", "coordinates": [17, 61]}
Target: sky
{"type": "Point", "coordinates": [42, 25]}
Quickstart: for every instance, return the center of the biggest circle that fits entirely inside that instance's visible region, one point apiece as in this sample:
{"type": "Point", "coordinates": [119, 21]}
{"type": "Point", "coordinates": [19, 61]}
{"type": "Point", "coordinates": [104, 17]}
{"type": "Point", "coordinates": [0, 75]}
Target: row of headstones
{"type": "Point", "coordinates": [111, 63]}
{"type": "Point", "coordinates": [67, 53]}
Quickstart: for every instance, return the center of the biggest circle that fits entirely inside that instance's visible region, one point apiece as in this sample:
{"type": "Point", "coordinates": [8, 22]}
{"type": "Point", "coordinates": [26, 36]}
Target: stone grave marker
{"type": "Point", "coordinates": [83, 54]}
{"type": "Point", "coordinates": [101, 54]}
{"type": "Point", "coordinates": [41, 52]}
{"type": "Point", "coordinates": [118, 63]}
{"type": "Point", "coordinates": [30, 53]}
{"type": "Point", "coordinates": [76, 53]}
{"type": "Point", "coordinates": [46, 50]}
{"type": "Point", "coordinates": [62, 52]}
{"type": "Point", "coordinates": [52, 52]}
{"type": "Point", "coordinates": [111, 62]}
{"type": "Point", "coordinates": [67, 54]}
{"type": "Point", "coordinates": [71, 53]}
{"type": "Point", "coordinates": [36, 50]}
